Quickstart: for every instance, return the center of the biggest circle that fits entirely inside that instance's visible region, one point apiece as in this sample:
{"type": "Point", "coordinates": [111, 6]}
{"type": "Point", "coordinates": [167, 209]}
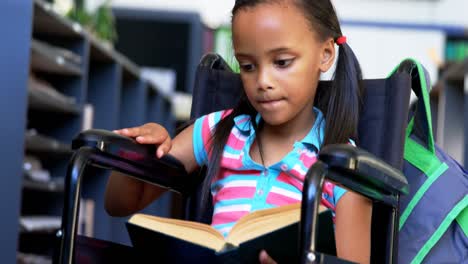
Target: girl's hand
{"type": "Point", "coordinates": [264, 258]}
{"type": "Point", "coordinates": [150, 133]}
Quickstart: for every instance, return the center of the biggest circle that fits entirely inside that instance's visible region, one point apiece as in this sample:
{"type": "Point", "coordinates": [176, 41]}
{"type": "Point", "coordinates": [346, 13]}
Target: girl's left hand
{"type": "Point", "coordinates": [264, 258]}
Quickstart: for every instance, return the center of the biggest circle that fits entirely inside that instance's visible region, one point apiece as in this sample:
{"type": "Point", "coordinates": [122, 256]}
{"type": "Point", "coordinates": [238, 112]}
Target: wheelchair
{"type": "Point", "coordinates": [373, 169]}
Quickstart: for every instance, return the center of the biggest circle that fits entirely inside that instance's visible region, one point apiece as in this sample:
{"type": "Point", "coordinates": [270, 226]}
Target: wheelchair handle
{"type": "Point", "coordinates": [311, 196]}
{"type": "Point", "coordinates": [105, 149]}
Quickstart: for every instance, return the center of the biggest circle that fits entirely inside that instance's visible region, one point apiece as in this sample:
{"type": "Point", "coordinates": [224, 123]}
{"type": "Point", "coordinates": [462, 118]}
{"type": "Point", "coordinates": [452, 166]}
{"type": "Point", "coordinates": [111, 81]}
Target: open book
{"type": "Point", "coordinates": [171, 240]}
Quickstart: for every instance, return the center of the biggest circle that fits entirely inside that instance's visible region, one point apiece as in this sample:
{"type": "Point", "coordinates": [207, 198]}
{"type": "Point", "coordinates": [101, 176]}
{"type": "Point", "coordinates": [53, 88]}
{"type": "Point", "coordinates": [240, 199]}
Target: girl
{"type": "Point", "coordinates": [258, 153]}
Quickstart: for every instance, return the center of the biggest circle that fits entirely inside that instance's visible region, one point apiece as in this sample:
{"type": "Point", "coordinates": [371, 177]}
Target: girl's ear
{"type": "Point", "coordinates": [328, 55]}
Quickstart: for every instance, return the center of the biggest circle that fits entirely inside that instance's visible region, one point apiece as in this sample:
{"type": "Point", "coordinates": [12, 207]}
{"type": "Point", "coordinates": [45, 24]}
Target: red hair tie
{"type": "Point", "coordinates": [341, 40]}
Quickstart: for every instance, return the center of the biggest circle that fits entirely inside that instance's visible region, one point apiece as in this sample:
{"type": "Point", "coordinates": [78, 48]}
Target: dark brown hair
{"type": "Point", "coordinates": [340, 103]}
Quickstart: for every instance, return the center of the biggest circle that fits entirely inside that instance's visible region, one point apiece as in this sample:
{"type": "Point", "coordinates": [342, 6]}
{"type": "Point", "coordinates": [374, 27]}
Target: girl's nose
{"type": "Point", "coordinates": [265, 81]}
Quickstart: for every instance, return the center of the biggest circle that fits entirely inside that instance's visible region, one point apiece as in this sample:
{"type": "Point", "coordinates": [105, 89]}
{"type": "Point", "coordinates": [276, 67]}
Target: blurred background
{"type": "Point", "coordinates": [71, 65]}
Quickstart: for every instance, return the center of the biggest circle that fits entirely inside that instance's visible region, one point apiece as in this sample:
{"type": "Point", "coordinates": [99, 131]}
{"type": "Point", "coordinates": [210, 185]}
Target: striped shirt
{"type": "Point", "coordinates": [243, 185]}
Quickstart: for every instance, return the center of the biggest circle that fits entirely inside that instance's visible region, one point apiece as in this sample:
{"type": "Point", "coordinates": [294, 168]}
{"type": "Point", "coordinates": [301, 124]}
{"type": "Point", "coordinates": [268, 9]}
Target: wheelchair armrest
{"type": "Point", "coordinates": [120, 151]}
{"type": "Point", "coordinates": [355, 169]}
{"type": "Point", "coordinates": [363, 172]}
{"type": "Point", "coordinates": [101, 148]}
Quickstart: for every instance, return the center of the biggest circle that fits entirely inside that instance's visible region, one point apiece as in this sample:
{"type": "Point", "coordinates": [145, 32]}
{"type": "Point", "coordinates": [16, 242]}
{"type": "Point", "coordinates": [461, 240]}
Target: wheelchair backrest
{"type": "Point", "coordinates": [382, 122]}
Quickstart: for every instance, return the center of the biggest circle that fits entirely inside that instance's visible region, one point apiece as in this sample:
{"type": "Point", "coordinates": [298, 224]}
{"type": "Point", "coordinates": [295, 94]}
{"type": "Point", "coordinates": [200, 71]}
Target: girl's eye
{"type": "Point", "coordinates": [247, 67]}
{"type": "Point", "coordinates": [283, 63]}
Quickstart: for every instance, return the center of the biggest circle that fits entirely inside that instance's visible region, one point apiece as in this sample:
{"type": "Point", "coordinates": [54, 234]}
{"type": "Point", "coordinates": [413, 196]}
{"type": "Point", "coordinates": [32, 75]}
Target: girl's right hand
{"type": "Point", "coordinates": [150, 133]}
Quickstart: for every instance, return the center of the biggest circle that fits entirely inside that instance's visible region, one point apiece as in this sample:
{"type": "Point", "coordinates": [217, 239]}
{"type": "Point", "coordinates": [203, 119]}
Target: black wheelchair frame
{"type": "Point", "coordinates": [374, 172]}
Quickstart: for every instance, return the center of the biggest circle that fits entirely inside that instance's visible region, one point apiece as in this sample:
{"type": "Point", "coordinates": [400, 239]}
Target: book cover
{"type": "Point", "coordinates": [177, 241]}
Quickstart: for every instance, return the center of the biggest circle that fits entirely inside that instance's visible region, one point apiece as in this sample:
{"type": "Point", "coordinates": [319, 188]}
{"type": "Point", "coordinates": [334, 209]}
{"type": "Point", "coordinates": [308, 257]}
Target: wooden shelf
{"type": "Point", "coordinates": [456, 71]}
{"type": "Point", "coordinates": [40, 144]}
{"type": "Point", "coordinates": [55, 186]}
{"type": "Point", "coordinates": [32, 258]}
{"type": "Point", "coordinates": [46, 60]}
{"type": "Point", "coordinates": [451, 72]}
{"type": "Point", "coordinates": [47, 22]}
{"type": "Point", "coordinates": [42, 101]}
{"type": "Point", "coordinates": [59, 68]}
{"type": "Point", "coordinates": [100, 52]}
{"type": "Point", "coordinates": [40, 224]}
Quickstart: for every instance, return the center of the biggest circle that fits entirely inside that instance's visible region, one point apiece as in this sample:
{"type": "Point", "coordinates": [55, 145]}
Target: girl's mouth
{"type": "Point", "coordinates": [268, 104]}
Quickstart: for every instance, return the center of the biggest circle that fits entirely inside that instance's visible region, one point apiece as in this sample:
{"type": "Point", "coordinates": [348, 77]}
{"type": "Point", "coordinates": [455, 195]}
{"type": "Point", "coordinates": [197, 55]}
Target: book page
{"type": "Point", "coordinates": [193, 232]}
{"type": "Point", "coordinates": [264, 221]}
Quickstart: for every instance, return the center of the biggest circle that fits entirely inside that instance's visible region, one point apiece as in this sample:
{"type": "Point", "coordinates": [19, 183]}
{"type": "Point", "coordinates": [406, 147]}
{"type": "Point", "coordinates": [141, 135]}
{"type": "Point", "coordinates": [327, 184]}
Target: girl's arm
{"type": "Point", "coordinates": [353, 227]}
{"type": "Point", "coordinates": [126, 195]}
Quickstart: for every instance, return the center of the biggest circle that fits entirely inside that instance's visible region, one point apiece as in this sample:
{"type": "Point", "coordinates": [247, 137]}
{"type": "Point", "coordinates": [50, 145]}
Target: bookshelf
{"type": "Point", "coordinates": [181, 48]}
{"type": "Point", "coordinates": [449, 96]}
{"type": "Point", "coordinates": [13, 112]}
{"type": "Point", "coordinates": [452, 110]}
{"type": "Point", "coordinates": [57, 81]}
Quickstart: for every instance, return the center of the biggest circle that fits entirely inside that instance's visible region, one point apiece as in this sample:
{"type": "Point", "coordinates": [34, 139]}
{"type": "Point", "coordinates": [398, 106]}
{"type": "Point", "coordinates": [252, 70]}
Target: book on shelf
{"type": "Point", "coordinates": [58, 51]}
{"type": "Point", "coordinates": [162, 78]}
{"type": "Point", "coordinates": [86, 218]}
{"type": "Point", "coordinates": [43, 96]}
{"type": "Point", "coordinates": [55, 185]}
{"type": "Point", "coordinates": [37, 143]}
{"type": "Point", "coordinates": [88, 117]}
{"type": "Point", "coordinates": [181, 105]}
{"type": "Point", "coordinates": [45, 58]}
{"type": "Point", "coordinates": [40, 223]}
{"type": "Point", "coordinates": [275, 230]}
{"type": "Point", "coordinates": [29, 258]}
{"type": "Point", "coordinates": [33, 170]}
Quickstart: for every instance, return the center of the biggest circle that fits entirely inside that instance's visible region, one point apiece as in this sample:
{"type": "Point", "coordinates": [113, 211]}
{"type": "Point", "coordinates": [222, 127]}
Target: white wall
{"type": "Point", "coordinates": [215, 12]}
{"type": "Point", "coordinates": [379, 50]}
{"type": "Point", "coordinates": [448, 12]}
{"type": "Point", "coordinates": [452, 12]}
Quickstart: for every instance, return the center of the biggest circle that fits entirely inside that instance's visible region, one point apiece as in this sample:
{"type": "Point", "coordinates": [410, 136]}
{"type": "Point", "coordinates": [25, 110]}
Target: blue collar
{"type": "Point", "coordinates": [313, 138]}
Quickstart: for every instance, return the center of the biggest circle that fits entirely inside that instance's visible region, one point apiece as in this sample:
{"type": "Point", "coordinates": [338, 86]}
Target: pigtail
{"type": "Point", "coordinates": [341, 103]}
{"type": "Point", "coordinates": [219, 140]}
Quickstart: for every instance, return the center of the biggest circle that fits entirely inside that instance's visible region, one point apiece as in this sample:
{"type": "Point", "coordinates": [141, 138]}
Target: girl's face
{"type": "Point", "coordinates": [281, 59]}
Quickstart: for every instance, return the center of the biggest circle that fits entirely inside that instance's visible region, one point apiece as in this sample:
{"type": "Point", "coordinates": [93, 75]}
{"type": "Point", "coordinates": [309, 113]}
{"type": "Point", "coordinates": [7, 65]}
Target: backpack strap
{"type": "Point", "coordinates": [421, 152]}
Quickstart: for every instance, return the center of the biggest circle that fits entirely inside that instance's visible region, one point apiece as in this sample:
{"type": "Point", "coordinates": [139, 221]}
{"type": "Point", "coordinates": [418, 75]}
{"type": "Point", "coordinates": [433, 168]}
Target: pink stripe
{"type": "Point", "coordinates": [226, 113]}
{"type": "Point", "coordinates": [206, 134]}
{"type": "Point", "coordinates": [298, 174]}
{"type": "Point", "coordinates": [327, 204]}
{"type": "Point", "coordinates": [231, 163]}
{"type": "Point", "coordinates": [223, 174]}
{"type": "Point", "coordinates": [226, 172]}
{"type": "Point", "coordinates": [279, 200]}
{"type": "Point", "coordinates": [307, 160]}
{"type": "Point", "coordinates": [206, 130]}
{"type": "Point", "coordinates": [227, 217]}
{"type": "Point", "coordinates": [235, 143]}
{"type": "Point", "coordinates": [243, 120]}
{"type": "Point", "coordinates": [228, 193]}
{"type": "Point", "coordinates": [328, 188]}
{"type": "Point", "coordinates": [288, 179]}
